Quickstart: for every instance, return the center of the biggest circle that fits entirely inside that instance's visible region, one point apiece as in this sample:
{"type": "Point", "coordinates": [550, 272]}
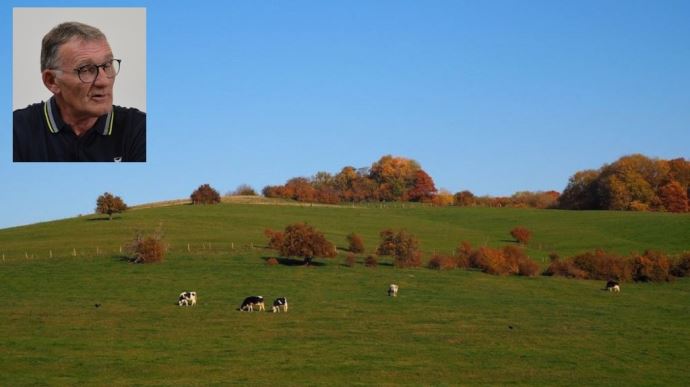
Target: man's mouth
{"type": "Point", "coordinates": [98, 97]}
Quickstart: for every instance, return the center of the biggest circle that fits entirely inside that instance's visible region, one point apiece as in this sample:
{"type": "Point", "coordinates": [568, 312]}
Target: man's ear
{"type": "Point", "coordinates": [50, 81]}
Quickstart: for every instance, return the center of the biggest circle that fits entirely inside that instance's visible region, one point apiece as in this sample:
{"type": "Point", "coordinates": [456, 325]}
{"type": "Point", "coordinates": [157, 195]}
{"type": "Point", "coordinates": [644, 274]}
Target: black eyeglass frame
{"type": "Point", "coordinates": [82, 70]}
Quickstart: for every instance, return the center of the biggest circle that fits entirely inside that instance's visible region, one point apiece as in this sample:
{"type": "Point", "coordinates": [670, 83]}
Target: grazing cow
{"type": "Point", "coordinates": [251, 302]}
{"type": "Point", "coordinates": [280, 303]}
{"type": "Point", "coordinates": [187, 299]}
{"type": "Point", "coordinates": [613, 286]}
{"type": "Point", "coordinates": [393, 290]}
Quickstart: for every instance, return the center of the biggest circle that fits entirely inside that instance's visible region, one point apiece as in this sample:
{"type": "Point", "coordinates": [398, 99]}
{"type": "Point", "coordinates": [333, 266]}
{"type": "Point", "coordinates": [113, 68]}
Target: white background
{"type": "Point", "coordinates": [125, 29]}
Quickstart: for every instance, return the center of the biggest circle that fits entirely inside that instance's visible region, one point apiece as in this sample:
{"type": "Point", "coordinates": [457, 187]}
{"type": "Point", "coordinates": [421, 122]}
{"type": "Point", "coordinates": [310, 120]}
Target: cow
{"type": "Point", "coordinates": [613, 286]}
{"type": "Point", "coordinates": [187, 299]}
{"type": "Point", "coordinates": [280, 303]}
{"type": "Point", "coordinates": [250, 302]}
{"type": "Point", "coordinates": [393, 290]}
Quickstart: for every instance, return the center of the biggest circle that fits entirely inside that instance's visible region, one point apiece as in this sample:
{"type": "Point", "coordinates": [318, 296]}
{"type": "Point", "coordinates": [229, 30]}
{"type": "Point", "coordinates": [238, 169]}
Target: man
{"type": "Point", "coordinates": [79, 122]}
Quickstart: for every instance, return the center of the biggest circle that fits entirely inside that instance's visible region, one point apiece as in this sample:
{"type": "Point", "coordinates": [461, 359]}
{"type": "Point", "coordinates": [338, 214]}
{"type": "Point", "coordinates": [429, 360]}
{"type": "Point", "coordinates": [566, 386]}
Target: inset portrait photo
{"type": "Point", "coordinates": [79, 84]}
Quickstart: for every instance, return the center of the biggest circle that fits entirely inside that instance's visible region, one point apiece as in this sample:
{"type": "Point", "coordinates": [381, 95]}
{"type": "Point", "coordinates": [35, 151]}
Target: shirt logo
{"type": "Point", "coordinates": [117, 159]}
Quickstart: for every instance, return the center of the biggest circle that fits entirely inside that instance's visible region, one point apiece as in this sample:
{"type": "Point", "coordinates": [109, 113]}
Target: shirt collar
{"type": "Point", "coordinates": [51, 113]}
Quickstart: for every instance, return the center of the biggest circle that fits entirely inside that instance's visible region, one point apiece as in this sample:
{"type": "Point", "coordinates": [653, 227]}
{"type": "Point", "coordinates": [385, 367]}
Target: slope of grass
{"type": "Point", "coordinates": [447, 328]}
{"type": "Point", "coordinates": [439, 229]}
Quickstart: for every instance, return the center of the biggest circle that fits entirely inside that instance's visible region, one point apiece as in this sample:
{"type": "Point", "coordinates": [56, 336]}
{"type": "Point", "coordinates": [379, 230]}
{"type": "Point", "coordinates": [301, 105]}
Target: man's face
{"type": "Point", "coordinates": [84, 100]}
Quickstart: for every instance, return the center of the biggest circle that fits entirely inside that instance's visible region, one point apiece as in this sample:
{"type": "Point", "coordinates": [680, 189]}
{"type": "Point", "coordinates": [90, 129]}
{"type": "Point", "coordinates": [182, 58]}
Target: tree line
{"type": "Point", "coordinates": [634, 182]}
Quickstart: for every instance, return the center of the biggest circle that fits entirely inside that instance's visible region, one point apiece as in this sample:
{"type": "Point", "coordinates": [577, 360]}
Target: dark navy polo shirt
{"type": "Point", "coordinates": [40, 134]}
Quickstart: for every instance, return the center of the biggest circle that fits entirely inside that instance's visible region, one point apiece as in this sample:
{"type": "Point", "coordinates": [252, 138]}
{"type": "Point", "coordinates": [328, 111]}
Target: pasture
{"type": "Point", "coordinates": [444, 328]}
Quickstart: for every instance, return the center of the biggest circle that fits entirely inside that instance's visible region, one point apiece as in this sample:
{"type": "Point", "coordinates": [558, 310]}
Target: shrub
{"type": "Point", "coordinates": [517, 262]}
{"type": "Point", "coordinates": [271, 261]}
{"type": "Point", "coordinates": [147, 249]}
{"type": "Point", "coordinates": [528, 268]}
{"type": "Point", "coordinates": [521, 235]}
{"type": "Point", "coordinates": [350, 260]}
{"type": "Point", "coordinates": [403, 246]}
{"type": "Point", "coordinates": [564, 269]}
{"type": "Point", "coordinates": [275, 238]}
{"type": "Point", "coordinates": [243, 190]}
{"type": "Point", "coordinates": [205, 194]}
{"type": "Point", "coordinates": [407, 252]}
{"type": "Point", "coordinates": [603, 266]}
{"type": "Point", "coordinates": [462, 254]}
{"type": "Point", "coordinates": [387, 245]}
{"type": "Point", "coordinates": [355, 243]}
{"type": "Point", "coordinates": [441, 262]}
{"type": "Point", "coordinates": [371, 261]}
{"type": "Point", "coordinates": [651, 266]}
{"type": "Point", "coordinates": [681, 268]}
{"type": "Point", "coordinates": [489, 261]}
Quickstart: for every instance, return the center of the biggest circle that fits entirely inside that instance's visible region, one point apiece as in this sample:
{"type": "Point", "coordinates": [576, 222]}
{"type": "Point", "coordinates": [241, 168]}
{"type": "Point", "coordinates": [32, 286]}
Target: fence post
{"type": "Point", "coordinates": [51, 253]}
{"type": "Point", "coordinates": [188, 250]}
{"type": "Point", "coordinates": [74, 252]}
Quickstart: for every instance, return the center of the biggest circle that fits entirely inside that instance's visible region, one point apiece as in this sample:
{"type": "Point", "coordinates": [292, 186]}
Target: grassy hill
{"type": "Point", "coordinates": [454, 327]}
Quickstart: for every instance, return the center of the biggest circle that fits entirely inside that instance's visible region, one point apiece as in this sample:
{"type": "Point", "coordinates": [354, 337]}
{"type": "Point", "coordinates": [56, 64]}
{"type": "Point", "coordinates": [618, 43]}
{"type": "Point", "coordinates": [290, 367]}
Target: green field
{"type": "Point", "coordinates": [445, 328]}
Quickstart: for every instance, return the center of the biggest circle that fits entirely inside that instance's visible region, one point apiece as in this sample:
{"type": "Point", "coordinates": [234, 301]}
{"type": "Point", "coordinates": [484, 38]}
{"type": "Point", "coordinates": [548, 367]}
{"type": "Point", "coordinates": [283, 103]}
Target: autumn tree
{"type": "Point", "coordinates": [275, 238]}
{"type": "Point", "coordinates": [394, 176]}
{"type": "Point", "coordinates": [355, 243]}
{"type": "Point", "coordinates": [303, 240]}
{"type": "Point", "coordinates": [423, 188]}
{"type": "Point", "coordinates": [521, 235]}
{"type": "Point", "coordinates": [674, 197]}
{"type": "Point", "coordinates": [464, 199]}
{"type": "Point", "coordinates": [110, 204]}
{"type": "Point", "coordinates": [443, 198]}
{"type": "Point", "coordinates": [581, 192]}
{"type": "Point", "coordinates": [243, 190]}
{"type": "Point", "coordinates": [403, 246]}
{"type": "Point", "coordinates": [300, 189]}
{"type": "Point", "coordinates": [205, 194]}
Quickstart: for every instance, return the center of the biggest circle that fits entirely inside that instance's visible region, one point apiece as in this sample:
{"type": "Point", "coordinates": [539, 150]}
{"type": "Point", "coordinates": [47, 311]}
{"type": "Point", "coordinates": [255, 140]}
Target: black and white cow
{"type": "Point", "coordinates": [187, 299]}
{"type": "Point", "coordinates": [251, 302]}
{"type": "Point", "coordinates": [280, 303]}
{"type": "Point", "coordinates": [613, 286]}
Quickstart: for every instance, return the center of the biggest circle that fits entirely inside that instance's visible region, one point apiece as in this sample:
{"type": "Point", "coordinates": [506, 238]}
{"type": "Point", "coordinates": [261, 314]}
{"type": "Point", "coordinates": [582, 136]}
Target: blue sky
{"type": "Point", "coordinates": [491, 96]}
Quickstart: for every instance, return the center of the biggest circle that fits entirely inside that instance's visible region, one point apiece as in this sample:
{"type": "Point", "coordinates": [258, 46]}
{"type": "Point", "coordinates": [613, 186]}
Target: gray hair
{"type": "Point", "coordinates": [60, 35]}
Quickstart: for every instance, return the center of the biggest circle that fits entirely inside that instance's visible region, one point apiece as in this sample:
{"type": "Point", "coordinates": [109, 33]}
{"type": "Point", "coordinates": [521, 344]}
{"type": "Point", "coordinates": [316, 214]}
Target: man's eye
{"type": "Point", "coordinates": [87, 70]}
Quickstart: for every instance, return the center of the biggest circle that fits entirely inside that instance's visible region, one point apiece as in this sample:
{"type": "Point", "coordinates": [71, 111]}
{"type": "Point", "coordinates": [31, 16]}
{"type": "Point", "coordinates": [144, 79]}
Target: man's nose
{"type": "Point", "coordinates": [101, 79]}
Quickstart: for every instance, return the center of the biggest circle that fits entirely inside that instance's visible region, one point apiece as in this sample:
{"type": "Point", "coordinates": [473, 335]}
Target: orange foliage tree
{"type": "Point", "coordinates": [465, 199]}
{"type": "Point", "coordinates": [521, 235]}
{"type": "Point", "coordinates": [303, 240]}
{"type": "Point", "coordinates": [674, 197]}
{"type": "Point", "coordinates": [110, 204]}
{"type": "Point", "coordinates": [355, 243]}
{"type": "Point", "coordinates": [423, 188]}
{"type": "Point", "coordinates": [205, 194]}
{"type": "Point", "coordinates": [403, 246]}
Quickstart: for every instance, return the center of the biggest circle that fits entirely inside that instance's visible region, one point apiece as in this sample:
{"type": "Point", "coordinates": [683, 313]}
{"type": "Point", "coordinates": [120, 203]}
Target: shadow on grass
{"type": "Point", "coordinates": [100, 219]}
{"type": "Point", "coordinates": [293, 262]}
{"type": "Point", "coordinates": [362, 263]}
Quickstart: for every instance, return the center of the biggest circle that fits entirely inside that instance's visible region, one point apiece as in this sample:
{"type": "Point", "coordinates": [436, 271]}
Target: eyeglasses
{"type": "Point", "coordinates": [89, 73]}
